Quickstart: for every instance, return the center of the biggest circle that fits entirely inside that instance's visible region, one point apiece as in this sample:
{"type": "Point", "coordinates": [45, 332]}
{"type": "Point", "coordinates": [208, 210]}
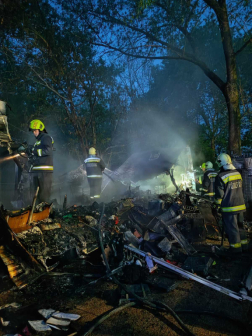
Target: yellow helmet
{"type": "Point", "coordinates": [203, 166]}
{"type": "Point", "coordinates": [36, 125]}
{"type": "Point", "coordinates": [92, 151]}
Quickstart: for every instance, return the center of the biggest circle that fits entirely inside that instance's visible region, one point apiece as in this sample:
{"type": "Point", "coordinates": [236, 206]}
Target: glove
{"type": "Point", "coordinates": [29, 150]}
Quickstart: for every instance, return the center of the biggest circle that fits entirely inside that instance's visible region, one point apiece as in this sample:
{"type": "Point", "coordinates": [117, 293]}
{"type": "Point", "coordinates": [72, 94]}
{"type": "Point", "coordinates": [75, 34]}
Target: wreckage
{"type": "Point", "coordinates": [166, 236]}
{"type": "Point", "coordinates": [146, 231]}
{"type": "Point", "coordinates": [167, 230]}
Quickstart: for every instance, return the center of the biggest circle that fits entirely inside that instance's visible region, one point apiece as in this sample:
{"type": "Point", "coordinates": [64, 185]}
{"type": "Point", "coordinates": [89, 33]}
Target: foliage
{"type": "Point", "coordinates": [51, 57]}
{"type": "Point", "coordinates": [62, 61]}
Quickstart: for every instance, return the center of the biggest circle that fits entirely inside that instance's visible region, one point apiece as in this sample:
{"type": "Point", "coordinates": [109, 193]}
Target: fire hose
{"type": "Point", "coordinates": [148, 303]}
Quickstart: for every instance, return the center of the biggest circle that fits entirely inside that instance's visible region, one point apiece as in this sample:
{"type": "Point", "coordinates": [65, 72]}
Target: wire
{"type": "Point", "coordinates": [18, 128]}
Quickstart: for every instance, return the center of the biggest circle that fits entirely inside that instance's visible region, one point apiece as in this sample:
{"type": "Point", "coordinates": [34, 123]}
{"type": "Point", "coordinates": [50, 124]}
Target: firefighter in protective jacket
{"type": "Point", "coordinates": [229, 196]}
{"type": "Point", "coordinates": [41, 157]}
{"type": "Point", "coordinates": [94, 168]}
{"type": "Point", "coordinates": [208, 183]}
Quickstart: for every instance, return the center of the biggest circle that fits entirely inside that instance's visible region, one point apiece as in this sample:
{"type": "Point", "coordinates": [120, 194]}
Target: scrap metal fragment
{"type": "Point", "coordinates": [188, 275]}
{"type": "Point", "coordinates": [40, 326]}
{"type": "Point", "coordinates": [71, 317]}
{"type": "Point", "coordinates": [46, 313]}
{"type": "Point", "coordinates": [33, 206]}
{"type": "Point", "coordinates": [176, 234]}
{"type": "Point", "coordinates": [58, 322]}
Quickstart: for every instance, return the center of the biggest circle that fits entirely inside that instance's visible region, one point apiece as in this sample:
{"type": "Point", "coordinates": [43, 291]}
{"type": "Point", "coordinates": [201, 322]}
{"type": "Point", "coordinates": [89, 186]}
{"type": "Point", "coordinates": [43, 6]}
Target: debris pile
{"type": "Point", "coordinates": [137, 243]}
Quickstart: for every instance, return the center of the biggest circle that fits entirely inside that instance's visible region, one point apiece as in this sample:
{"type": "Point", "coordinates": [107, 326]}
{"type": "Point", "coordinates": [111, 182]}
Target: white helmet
{"type": "Point", "coordinates": [209, 165]}
{"type": "Point", "coordinates": [223, 159]}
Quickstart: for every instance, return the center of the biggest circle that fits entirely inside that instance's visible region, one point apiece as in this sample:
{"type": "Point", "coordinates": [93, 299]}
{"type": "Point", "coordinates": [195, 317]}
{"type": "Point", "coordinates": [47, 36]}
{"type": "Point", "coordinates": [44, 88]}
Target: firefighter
{"type": "Point", "coordinates": [208, 183]}
{"type": "Point", "coordinates": [229, 196]}
{"type": "Point", "coordinates": [41, 157]}
{"type": "Point", "coordinates": [94, 168]}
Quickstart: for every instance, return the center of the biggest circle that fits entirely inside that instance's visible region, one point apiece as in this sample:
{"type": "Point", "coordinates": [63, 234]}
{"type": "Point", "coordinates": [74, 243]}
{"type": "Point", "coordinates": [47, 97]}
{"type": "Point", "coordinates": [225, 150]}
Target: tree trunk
{"type": "Point", "coordinates": [230, 90]}
{"type": "Point", "coordinates": [232, 99]}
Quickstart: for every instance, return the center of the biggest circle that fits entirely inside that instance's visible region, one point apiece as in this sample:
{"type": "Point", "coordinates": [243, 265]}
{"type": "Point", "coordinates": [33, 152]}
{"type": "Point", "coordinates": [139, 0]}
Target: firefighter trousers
{"type": "Point", "coordinates": [237, 236]}
{"type": "Point", "coordinates": [43, 180]}
{"type": "Point", "coordinates": [95, 184]}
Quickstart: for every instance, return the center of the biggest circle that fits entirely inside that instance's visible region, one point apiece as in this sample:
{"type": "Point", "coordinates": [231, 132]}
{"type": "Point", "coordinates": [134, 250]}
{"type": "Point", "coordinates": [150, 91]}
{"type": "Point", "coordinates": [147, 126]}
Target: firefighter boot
{"type": "Point", "coordinates": [244, 240]}
{"type": "Point", "coordinates": [230, 252]}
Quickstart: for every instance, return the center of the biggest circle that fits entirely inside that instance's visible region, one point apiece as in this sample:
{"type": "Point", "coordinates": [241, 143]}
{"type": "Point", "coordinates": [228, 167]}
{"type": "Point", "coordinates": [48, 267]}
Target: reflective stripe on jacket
{"type": "Point", "coordinates": [228, 191]}
{"type": "Point", "coordinates": [94, 167]}
{"type": "Point", "coordinates": [43, 154]}
{"type": "Point", "coordinates": [208, 184]}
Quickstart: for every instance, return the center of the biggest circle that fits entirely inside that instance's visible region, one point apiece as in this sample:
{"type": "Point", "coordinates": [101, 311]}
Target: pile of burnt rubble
{"type": "Point", "coordinates": [122, 222]}
{"type": "Point", "coordinates": [136, 239]}
{"type": "Point", "coordinates": [170, 227]}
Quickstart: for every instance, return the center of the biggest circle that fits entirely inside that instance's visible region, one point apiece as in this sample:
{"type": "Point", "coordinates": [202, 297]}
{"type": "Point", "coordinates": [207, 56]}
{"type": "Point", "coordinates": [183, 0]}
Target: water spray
{"type": "Point", "coordinates": [10, 157]}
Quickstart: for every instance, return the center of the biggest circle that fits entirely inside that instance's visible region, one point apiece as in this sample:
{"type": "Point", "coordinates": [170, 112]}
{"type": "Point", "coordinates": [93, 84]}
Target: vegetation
{"type": "Point", "coordinates": [130, 75]}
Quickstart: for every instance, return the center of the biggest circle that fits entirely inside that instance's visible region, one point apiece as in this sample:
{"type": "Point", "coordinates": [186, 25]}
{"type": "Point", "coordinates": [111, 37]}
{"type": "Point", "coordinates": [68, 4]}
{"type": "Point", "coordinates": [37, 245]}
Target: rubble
{"type": "Point", "coordinates": [164, 237]}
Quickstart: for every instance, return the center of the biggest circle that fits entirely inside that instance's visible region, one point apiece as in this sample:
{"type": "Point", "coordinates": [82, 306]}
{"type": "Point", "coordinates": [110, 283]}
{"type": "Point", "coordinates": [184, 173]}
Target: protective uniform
{"type": "Point", "coordinates": [42, 162]}
{"type": "Point", "coordinates": [208, 183]}
{"type": "Point", "coordinates": [229, 196]}
{"type": "Point", "coordinates": [94, 168]}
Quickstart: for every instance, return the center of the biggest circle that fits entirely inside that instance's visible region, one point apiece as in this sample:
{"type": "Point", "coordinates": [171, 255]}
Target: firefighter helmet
{"type": "Point", "coordinates": [223, 159]}
{"type": "Point", "coordinates": [203, 166]}
{"type": "Point", "coordinates": [208, 165]}
{"type": "Point", "coordinates": [92, 151]}
{"type": "Point", "coordinates": [36, 125]}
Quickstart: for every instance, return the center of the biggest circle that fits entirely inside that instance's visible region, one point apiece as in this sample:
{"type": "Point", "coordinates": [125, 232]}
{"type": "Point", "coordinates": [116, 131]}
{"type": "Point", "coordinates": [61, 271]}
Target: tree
{"type": "Point", "coordinates": [50, 53]}
{"type": "Point", "coordinates": [162, 29]}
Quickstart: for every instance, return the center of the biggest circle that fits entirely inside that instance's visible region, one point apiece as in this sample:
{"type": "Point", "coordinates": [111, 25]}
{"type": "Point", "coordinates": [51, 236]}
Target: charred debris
{"type": "Point", "coordinates": [137, 241]}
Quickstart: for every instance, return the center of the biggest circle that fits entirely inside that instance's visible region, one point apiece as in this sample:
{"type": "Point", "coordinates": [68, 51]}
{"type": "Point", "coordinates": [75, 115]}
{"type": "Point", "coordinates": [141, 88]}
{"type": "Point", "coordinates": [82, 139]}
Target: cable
{"type": "Point", "coordinates": [144, 301]}
{"type": "Point", "coordinates": [151, 304]}
{"type": "Point", "coordinates": [107, 315]}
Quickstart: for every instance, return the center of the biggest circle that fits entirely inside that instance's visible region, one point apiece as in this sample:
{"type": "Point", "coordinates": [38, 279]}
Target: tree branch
{"type": "Point", "coordinates": [213, 4]}
{"type": "Point", "coordinates": [46, 84]}
{"type": "Point", "coordinates": [111, 19]}
{"type": "Point", "coordinates": [244, 46]}
{"type": "Point", "coordinates": [183, 30]}
{"type": "Point", "coordinates": [190, 58]}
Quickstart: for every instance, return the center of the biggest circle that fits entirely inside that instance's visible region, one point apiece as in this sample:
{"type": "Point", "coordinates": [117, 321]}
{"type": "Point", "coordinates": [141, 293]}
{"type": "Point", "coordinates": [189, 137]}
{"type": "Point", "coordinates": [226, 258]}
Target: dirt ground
{"type": "Point", "coordinates": [70, 293]}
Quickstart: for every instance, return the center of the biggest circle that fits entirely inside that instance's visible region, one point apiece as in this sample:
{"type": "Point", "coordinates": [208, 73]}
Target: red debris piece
{"type": "Point", "coordinates": [26, 331]}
